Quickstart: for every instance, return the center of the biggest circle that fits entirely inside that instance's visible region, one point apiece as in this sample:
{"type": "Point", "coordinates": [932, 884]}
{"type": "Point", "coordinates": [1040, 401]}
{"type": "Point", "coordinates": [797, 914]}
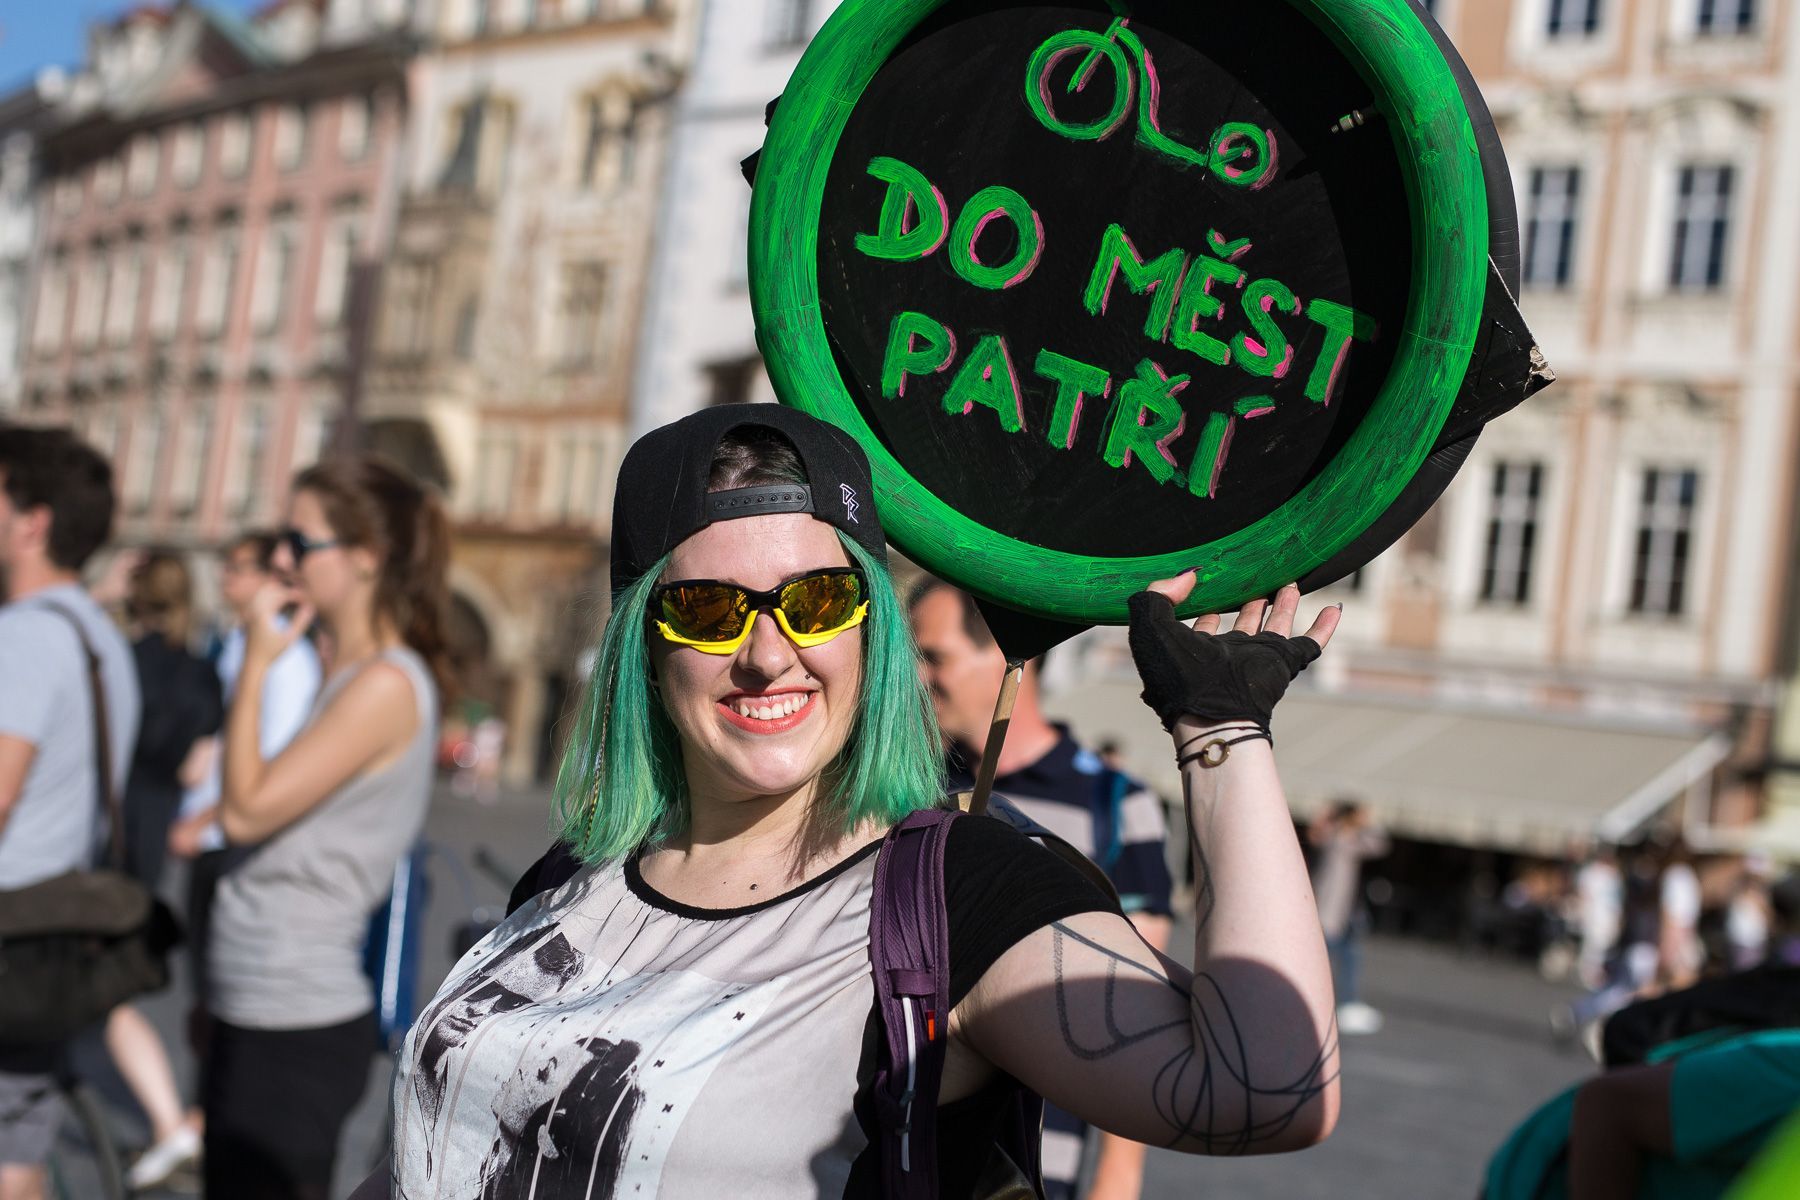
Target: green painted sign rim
{"type": "Point", "coordinates": [1435, 143]}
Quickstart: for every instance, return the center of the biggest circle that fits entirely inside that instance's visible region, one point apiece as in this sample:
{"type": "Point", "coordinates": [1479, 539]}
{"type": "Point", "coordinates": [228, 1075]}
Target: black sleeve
{"type": "Point", "coordinates": [557, 866]}
{"type": "Point", "coordinates": [999, 887]}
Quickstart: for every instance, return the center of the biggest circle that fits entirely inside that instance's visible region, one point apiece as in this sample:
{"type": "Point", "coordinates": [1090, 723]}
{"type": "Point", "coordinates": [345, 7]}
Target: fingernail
{"type": "Point", "coordinates": [1339, 606]}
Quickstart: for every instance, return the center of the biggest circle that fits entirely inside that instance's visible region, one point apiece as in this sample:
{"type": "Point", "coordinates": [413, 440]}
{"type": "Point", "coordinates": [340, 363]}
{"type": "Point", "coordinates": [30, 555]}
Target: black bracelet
{"type": "Point", "coordinates": [1245, 727]}
{"type": "Point", "coordinates": [1206, 757]}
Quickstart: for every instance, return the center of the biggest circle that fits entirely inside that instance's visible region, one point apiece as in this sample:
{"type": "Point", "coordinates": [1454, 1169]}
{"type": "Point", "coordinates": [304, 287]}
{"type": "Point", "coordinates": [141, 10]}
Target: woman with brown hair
{"type": "Point", "coordinates": [181, 705]}
{"type": "Point", "coordinates": [365, 553]}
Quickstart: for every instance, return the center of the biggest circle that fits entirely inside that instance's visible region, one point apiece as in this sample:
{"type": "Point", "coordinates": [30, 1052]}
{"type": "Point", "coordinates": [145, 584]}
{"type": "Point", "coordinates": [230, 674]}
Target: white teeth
{"type": "Point", "coordinates": [787, 706]}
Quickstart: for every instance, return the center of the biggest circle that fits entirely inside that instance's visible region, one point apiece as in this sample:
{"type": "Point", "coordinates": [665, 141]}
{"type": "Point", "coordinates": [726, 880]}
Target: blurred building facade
{"type": "Point", "coordinates": [207, 188]}
{"type": "Point", "coordinates": [1619, 550]}
{"type": "Point", "coordinates": [699, 343]}
{"type": "Point", "coordinates": [24, 114]}
{"type": "Point", "coordinates": [509, 316]}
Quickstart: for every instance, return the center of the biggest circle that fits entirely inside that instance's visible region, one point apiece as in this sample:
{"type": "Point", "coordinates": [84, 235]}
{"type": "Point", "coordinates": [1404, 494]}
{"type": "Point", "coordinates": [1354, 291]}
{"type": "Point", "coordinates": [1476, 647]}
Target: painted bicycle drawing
{"type": "Point", "coordinates": [1239, 153]}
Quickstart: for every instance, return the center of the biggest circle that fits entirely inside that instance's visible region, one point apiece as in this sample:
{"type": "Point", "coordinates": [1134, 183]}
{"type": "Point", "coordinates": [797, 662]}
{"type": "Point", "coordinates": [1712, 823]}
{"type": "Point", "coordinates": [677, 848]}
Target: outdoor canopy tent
{"type": "Point", "coordinates": [1437, 771]}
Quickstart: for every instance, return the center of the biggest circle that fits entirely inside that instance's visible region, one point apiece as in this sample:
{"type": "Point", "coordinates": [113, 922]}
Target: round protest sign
{"type": "Point", "coordinates": [1112, 290]}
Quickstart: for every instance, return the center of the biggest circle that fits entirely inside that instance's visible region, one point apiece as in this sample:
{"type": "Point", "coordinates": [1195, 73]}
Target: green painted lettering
{"type": "Point", "coordinates": [987, 378]}
{"type": "Point", "coordinates": [1146, 420]}
{"type": "Point", "coordinates": [1199, 304]}
{"type": "Point", "coordinates": [1341, 323]}
{"type": "Point", "coordinates": [909, 194]}
{"type": "Point", "coordinates": [1161, 276]}
{"type": "Point", "coordinates": [1209, 459]}
{"type": "Point", "coordinates": [1268, 353]}
{"type": "Point", "coordinates": [917, 345]}
{"type": "Point", "coordinates": [1075, 381]}
{"type": "Point", "coordinates": [984, 206]}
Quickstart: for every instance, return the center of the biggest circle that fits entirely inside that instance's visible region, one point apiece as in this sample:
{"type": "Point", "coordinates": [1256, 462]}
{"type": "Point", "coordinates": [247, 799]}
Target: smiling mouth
{"type": "Point", "coordinates": [767, 714]}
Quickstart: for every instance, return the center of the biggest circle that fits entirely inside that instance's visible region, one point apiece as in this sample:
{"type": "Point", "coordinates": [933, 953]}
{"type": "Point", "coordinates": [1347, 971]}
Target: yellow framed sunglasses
{"type": "Point", "coordinates": [715, 617]}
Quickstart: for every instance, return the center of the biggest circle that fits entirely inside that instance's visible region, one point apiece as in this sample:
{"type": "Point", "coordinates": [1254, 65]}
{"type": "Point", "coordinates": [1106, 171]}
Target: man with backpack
{"type": "Point", "coordinates": [56, 511]}
{"type": "Point", "coordinates": [1067, 789]}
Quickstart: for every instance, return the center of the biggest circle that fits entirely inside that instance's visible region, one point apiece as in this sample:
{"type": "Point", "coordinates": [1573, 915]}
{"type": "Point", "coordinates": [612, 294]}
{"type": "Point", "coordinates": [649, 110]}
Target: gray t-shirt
{"type": "Point", "coordinates": [288, 925]}
{"type": "Point", "coordinates": [45, 699]}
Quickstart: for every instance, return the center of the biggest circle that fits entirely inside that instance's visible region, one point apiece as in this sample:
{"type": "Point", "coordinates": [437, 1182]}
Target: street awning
{"type": "Point", "coordinates": [1527, 782]}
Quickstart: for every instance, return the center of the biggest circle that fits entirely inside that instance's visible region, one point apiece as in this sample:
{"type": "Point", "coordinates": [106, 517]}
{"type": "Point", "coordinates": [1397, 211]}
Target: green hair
{"type": "Point", "coordinates": [621, 783]}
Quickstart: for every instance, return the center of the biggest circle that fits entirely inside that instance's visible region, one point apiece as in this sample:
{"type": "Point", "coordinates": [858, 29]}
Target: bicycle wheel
{"type": "Point", "coordinates": [85, 1163]}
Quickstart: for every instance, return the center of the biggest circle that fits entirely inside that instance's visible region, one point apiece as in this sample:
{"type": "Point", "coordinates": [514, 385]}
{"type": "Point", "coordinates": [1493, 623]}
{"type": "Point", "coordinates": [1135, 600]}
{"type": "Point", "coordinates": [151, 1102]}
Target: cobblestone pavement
{"type": "Point", "coordinates": [1464, 1055]}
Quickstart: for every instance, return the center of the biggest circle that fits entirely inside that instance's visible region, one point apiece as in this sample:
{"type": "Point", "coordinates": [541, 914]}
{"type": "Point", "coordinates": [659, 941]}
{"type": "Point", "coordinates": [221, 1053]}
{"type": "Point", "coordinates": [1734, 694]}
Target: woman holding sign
{"type": "Point", "coordinates": [695, 1013]}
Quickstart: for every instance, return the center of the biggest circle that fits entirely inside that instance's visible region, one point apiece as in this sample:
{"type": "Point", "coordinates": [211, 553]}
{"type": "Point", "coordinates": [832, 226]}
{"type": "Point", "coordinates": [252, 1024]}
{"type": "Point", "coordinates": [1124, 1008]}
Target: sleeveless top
{"type": "Point", "coordinates": [606, 1041]}
{"type": "Point", "coordinates": [288, 925]}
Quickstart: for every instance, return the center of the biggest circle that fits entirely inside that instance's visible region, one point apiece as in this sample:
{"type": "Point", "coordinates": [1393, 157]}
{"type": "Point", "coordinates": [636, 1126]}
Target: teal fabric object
{"type": "Point", "coordinates": [1726, 1098]}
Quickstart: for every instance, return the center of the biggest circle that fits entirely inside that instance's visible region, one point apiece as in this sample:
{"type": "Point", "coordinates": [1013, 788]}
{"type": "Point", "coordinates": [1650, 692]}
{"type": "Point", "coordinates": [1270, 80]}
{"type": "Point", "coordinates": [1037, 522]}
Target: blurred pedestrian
{"type": "Point", "coordinates": [293, 1021]}
{"type": "Point", "coordinates": [1599, 914]}
{"type": "Point", "coordinates": [288, 691]}
{"type": "Point", "coordinates": [1749, 915]}
{"type": "Point", "coordinates": [1344, 837]}
{"type": "Point", "coordinates": [181, 706]}
{"type": "Point", "coordinates": [56, 510]}
{"type": "Point", "coordinates": [1069, 790]}
{"type": "Point", "coordinates": [1680, 954]}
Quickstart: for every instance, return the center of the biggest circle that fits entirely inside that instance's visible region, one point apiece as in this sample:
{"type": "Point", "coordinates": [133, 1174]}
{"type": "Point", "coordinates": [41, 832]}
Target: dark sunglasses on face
{"type": "Point", "coordinates": [299, 545]}
{"type": "Point", "coordinates": [715, 617]}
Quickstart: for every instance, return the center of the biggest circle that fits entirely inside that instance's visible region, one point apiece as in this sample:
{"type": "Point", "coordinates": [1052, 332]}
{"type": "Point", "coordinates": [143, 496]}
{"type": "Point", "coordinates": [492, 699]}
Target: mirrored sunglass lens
{"type": "Point", "coordinates": [820, 603]}
{"type": "Point", "coordinates": [705, 614]}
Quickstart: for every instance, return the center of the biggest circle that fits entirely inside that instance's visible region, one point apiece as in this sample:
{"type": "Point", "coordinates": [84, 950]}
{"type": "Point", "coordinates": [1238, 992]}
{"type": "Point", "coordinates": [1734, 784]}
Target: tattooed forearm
{"type": "Point", "coordinates": [1206, 1091]}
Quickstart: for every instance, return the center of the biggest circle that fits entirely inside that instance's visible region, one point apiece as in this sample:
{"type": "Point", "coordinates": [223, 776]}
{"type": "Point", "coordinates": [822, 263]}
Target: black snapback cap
{"type": "Point", "coordinates": [662, 499]}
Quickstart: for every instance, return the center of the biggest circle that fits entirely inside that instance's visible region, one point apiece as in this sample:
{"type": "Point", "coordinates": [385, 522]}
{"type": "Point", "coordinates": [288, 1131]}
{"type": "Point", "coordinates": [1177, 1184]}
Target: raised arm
{"type": "Point", "coordinates": [1239, 1057]}
{"type": "Point", "coordinates": [367, 722]}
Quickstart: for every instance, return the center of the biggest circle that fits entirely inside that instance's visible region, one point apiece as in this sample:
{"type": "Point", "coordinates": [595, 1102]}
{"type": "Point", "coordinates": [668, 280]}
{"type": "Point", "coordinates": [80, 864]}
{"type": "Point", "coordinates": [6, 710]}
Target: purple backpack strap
{"type": "Point", "coordinates": [909, 952]}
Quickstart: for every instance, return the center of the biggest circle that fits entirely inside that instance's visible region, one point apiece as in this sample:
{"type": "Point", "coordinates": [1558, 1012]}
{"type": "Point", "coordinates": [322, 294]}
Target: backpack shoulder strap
{"type": "Point", "coordinates": [106, 787]}
{"type": "Point", "coordinates": [909, 953]}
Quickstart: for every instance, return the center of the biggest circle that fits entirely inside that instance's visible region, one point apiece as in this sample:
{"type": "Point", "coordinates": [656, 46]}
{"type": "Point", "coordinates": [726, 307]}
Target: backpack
{"type": "Point", "coordinates": [909, 955]}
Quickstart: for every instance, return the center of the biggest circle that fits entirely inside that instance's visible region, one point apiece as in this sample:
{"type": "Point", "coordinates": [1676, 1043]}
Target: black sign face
{"type": "Point", "coordinates": [1114, 285]}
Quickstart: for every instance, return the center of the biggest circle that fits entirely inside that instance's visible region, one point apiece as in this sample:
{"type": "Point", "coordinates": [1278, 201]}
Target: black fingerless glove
{"type": "Point", "coordinates": [1215, 677]}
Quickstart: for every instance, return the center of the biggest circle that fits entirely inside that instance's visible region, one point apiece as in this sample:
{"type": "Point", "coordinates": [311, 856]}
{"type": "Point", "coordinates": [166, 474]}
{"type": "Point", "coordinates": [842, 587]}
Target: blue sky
{"type": "Point", "coordinates": [39, 33]}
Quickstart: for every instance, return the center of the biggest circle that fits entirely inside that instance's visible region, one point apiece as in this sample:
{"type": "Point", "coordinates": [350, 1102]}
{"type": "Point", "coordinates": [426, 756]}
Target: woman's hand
{"type": "Point", "coordinates": [1197, 672]}
{"type": "Point", "coordinates": [268, 633]}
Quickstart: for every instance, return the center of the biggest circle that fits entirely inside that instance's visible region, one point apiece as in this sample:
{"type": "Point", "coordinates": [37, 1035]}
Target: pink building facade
{"type": "Point", "coordinates": [212, 202]}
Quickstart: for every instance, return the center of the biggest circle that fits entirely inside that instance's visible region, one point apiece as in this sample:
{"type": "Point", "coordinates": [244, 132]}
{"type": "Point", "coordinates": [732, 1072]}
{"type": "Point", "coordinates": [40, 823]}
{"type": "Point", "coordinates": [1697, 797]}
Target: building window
{"type": "Point", "coordinates": [1551, 208]}
{"type": "Point", "coordinates": [191, 465]}
{"type": "Point", "coordinates": [52, 312]}
{"type": "Point", "coordinates": [290, 136]}
{"type": "Point", "coordinates": [498, 459]}
{"type": "Point", "coordinates": [90, 298]}
{"type": "Point", "coordinates": [729, 382]}
{"type": "Point", "coordinates": [1702, 223]}
{"type": "Point", "coordinates": [186, 153]}
{"type": "Point", "coordinates": [234, 145]}
{"type": "Point", "coordinates": [1724, 18]}
{"type": "Point", "coordinates": [274, 277]}
{"type": "Point", "coordinates": [218, 278]}
{"type": "Point", "coordinates": [479, 134]}
{"type": "Point", "coordinates": [108, 179]}
{"type": "Point", "coordinates": [67, 196]}
{"type": "Point", "coordinates": [406, 304]}
{"type": "Point", "coordinates": [1571, 18]}
{"type": "Point", "coordinates": [481, 17]}
{"type": "Point", "coordinates": [123, 291]}
{"type": "Point", "coordinates": [1512, 532]}
{"type": "Point", "coordinates": [609, 151]}
{"type": "Point", "coordinates": [578, 324]}
{"type": "Point", "coordinates": [169, 286]}
{"type": "Point", "coordinates": [141, 164]}
{"type": "Point", "coordinates": [146, 460]}
{"type": "Point", "coordinates": [1664, 542]}
{"type": "Point", "coordinates": [786, 24]}
{"type": "Point", "coordinates": [356, 116]}
{"type": "Point", "coordinates": [335, 263]}
{"type": "Point", "coordinates": [462, 341]}
{"type": "Point", "coordinates": [252, 459]}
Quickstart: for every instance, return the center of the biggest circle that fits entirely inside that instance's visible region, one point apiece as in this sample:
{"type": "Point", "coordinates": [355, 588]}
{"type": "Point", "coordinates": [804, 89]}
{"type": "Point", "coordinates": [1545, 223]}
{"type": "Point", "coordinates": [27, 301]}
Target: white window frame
{"type": "Point", "coordinates": [1564, 220]}
{"type": "Point", "coordinates": [1512, 537]}
{"type": "Point", "coordinates": [174, 266]}
{"type": "Point", "coordinates": [187, 154]}
{"type": "Point", "coordinates": [292, 133]}
{"type": "Point", "coordinates": [1667, 478]}
{"type": "Point", "coordinates": [142, 164]}
{"type": "Point", "coordinates": [356, 126]}
{"type": "Point", "coordinates": [786, 25]}
{"type": "Point", "coordinates": [1719, 212]}
{"type": "Point", "coordinates": [124, 288]}
{"type": "Point", "coordinates": [50, 316]}
{"type": "Point", "coordinates": [276, 259]}
{"type": "Point", "coordinates": [218, 279]}
{"type": "Point", "coordinates": [188, 486]}
{"type": "Point", "coordinates": [237, 144]}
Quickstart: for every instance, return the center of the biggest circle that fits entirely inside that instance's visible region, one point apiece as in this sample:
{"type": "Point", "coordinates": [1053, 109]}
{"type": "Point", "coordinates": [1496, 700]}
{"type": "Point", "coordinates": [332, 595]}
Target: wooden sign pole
{"type": "Point", "coordinates": [996, 738]}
